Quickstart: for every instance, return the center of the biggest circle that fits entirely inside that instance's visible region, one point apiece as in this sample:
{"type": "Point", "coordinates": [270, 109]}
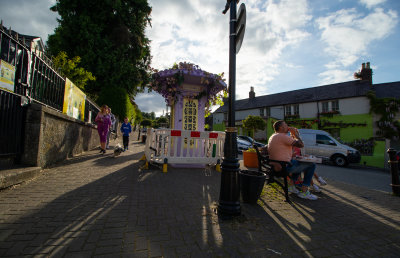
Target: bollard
{"type": "Point", "coordinates": [165, 166]}
{"type": "Point", "coordinates": [218, 166]}
{"type": "Point", "coordinates": [394, 170]}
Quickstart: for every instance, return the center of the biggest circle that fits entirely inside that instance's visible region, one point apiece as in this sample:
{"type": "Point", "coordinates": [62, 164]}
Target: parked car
{"type": "Point", "coordinates": [321, 144]}
{"type": "Point", "coordinates": [250, 140]}
{"type": "Point", "coordinates": [242, 145]}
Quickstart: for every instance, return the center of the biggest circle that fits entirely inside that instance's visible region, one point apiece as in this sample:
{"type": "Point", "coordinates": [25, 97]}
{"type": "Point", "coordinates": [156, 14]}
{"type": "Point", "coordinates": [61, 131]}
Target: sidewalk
{"type": "Point", "coordinates": [97, 205]}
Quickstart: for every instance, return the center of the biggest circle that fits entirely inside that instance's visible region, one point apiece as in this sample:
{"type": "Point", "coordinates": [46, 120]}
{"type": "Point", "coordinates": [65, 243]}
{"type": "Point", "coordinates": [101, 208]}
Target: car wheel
{"type": "Point", "coordinates": [340, 160]}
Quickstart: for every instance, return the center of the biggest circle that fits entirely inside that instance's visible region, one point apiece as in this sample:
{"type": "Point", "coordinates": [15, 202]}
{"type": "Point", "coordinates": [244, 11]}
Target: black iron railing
{"type": "Point", "coordinates": [34, 75]}
{"type": "Point", "coordinates": [91, 110]}
{"type": "Point", "coordinates": [46, 85]}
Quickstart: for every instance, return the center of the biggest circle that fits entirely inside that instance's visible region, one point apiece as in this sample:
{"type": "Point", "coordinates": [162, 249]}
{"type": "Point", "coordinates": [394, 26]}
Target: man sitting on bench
{"type": "Point", "coordinates": [280, 146]}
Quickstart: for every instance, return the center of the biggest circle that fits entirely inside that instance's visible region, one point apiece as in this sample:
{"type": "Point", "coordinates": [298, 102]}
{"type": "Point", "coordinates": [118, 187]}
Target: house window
{"type": "Point", "coordinates": [261, 112]}
{"type": "Point", "coordinates": [325, 106]}
{"type": "Point", "coordinates": [335, 105]}
{"type": "Point", "coordinates": [296, 109]}
{"type": "Point", "coordinates": [288, 110]}
{"type": "Point", "coordinates": [268, 113]}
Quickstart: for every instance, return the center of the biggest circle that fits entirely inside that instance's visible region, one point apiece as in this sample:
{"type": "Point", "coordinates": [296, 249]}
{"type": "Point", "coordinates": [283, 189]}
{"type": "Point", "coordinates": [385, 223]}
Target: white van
{"type": "Point", "coordinates": [321, 144]}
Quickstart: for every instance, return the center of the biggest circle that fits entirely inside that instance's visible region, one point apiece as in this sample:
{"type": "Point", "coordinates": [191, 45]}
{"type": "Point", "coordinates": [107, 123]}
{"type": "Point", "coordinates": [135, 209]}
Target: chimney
{"type": "Point", "coordinates": [252, 94]}
{"type": "Point", "coordinates": [366, 73]}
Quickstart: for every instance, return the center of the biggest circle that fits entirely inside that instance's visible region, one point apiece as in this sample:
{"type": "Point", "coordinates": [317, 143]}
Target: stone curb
{"type": "Point", "coordinates": [15, 176]}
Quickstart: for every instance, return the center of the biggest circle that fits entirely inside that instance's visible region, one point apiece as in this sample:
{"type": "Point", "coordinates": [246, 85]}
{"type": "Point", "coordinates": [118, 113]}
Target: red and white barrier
{"type": "Point", "coordinates": [184, 147]}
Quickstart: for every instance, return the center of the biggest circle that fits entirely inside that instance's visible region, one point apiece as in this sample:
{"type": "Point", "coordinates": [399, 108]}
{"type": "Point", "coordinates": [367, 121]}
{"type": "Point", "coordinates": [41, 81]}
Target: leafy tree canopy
{"type": "Point", "coordinates": [69, 68]}
{"type": "Point", "coordinates": [160, 122]}
{"type": "Point", "coordinates": [150, 116]}
{"type": "Point", "coordinates": [254, 123]}
{"type": "Point", "coordinates": [109, 36]}
{"type": "Point", "coordinates": [145, 123]}
{"type": "Point", "coordinates": [118, 100]}
{"type": "Point", "coordinates": [138, 115]}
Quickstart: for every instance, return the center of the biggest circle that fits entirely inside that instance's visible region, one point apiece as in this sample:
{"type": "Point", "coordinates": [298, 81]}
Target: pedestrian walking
{"type": "Point", "coordinates": [112, 127]}
{"type": "Point", "coordinates": [103, 122]}
{"type": "Point", "coordinates": [126, 129]}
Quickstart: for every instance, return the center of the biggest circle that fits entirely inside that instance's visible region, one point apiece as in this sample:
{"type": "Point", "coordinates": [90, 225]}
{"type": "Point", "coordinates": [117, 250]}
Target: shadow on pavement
{"type": "Point", "coordinates": [106, 206]}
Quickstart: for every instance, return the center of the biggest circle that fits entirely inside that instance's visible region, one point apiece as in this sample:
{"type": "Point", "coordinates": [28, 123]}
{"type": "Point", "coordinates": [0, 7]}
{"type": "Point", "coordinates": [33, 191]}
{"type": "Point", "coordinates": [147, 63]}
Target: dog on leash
{"type": "Point", "coordinates": [118, 150]}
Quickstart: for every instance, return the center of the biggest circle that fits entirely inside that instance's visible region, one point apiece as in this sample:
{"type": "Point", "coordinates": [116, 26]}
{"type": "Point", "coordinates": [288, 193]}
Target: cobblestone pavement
{"type": "Point", "coordinates": [97, 205]}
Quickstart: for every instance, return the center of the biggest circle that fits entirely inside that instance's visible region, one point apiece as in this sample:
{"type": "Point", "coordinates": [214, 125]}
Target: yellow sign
{"type": "Point", "coordinates": [7, 76]}
{"type": "Point", "coordinates": [74, 101]}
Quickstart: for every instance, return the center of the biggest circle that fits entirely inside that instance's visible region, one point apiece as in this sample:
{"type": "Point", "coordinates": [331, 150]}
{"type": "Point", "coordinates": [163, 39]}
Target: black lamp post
{"type": "Point", "coordinates": [229, 204]}
{"type": "Point", "coordinates": [394, 171]}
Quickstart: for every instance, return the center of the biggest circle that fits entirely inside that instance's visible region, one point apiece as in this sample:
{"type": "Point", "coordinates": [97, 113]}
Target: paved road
{"type": "Point", "coordinates": [366, 177]}
{"type": "Point", "coordinates": [99, 206]}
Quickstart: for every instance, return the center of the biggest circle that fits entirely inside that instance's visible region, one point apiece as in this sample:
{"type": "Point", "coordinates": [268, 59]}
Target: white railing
{"type": "Point", "coordinates": [169, 146]}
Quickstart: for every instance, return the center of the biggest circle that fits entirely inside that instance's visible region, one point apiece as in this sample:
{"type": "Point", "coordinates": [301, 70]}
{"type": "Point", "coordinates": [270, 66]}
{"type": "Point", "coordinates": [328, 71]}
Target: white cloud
{"type": "Point", "coordinates": [196, 31]}
{"type": "Point", "coordinates": [29, 17]}
{"type": "Point", "coordinates": [372, 3]}
{"type": "Point", "coordinates": [348, 34]}
{"type": "Point", "coordinates": [334, 76]}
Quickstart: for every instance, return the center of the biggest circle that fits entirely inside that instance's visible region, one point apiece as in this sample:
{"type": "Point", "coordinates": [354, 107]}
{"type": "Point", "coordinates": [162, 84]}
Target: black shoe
{"type": "Point", "coordinates": [101, 150]}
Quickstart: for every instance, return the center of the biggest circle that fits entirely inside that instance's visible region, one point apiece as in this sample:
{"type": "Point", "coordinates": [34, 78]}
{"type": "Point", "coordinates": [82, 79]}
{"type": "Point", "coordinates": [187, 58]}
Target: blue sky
{"type": "Point", "coordinates": [288, 44]}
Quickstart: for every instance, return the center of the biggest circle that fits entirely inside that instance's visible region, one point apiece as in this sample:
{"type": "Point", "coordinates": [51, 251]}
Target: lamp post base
{"type": "Point", "coordinates": [228, 210]}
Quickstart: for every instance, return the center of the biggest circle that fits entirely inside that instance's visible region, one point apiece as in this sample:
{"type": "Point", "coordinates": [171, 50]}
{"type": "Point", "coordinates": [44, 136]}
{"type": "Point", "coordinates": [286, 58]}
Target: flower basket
{"type": "Point", "coordinates": [250, 159]}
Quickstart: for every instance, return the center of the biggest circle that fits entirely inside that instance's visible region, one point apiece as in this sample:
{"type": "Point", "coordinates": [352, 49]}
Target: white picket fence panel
{"type": "Point", "coordinates": [184, 146]}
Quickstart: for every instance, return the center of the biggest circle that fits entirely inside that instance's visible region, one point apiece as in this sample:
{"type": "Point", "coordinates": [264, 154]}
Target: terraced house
{"type": "Point", "coordinates": [359, 113]}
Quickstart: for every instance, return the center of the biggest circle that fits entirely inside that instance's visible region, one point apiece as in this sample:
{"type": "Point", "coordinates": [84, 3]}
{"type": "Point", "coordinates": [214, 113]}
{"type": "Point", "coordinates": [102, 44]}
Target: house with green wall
{"type": "Point", "coordinates": [342, 109]}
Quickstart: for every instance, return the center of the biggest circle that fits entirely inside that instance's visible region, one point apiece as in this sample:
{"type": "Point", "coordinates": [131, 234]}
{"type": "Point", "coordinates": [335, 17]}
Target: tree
{"type": "Point", "coordinates": [69, 68]}
{"type": "Point", "coordinates": [109, 36]}
{"type": "Point", "coordinates": [118, 100]}
{"type": "Point", "coordinates": [138, 116]}
{"type": "Point", "coordinates": [254, 123]}
{"type": "Point", "coordinates": [150, 116]}
{"type": "Point", "coordinates": [160, 122]}
{"type": "Point", "coordinates": [145, 123]}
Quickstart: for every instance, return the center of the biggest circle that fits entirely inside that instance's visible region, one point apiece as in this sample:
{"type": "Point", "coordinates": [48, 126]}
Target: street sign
{"type": "Point", "coordinates": [240, 26]}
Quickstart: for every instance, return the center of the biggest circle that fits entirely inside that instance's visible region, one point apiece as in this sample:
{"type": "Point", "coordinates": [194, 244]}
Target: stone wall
{"type": "Point", "coordinates": [51, 136]}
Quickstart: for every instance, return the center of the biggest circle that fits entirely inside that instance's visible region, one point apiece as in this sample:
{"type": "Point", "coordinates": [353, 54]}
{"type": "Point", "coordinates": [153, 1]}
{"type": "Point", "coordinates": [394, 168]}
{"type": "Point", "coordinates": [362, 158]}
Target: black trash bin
{"type": "Point", "coordinates": [251, 185]}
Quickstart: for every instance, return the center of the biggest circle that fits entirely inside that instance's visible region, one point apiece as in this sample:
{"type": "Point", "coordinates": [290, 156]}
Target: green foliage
{"type": "Point", "coordinates": [69, 68]}
{"type": "Point", "coordinates": [150, 116]}
{"type": "Point", "coordinates": [146, 123]}
{"type": "Point", "coordinates": [216, 100]}
{"type": "Point", "coordinates": [138, 115]}
{"type": "Point", "coordinates": [387, 108]}
{"type": "Point", "coordinates": [160, 122]}
{"type": "Point", "coordinates": [254, 123]}
{"type": "Point", "coordinates": [118, 100]}
{"type": "Point", "coordinates": [109, 36]}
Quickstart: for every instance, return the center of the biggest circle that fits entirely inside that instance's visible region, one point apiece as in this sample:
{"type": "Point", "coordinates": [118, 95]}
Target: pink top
{"type": "Point", "coordinates": [280, 147]}
{"type": "Point", "coordinates": [103, 121]}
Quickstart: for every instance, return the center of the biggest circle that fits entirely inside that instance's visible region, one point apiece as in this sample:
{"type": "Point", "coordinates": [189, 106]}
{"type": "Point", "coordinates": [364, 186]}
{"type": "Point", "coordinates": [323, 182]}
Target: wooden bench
{"type": "Point", "coordinates": [274, 169]}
